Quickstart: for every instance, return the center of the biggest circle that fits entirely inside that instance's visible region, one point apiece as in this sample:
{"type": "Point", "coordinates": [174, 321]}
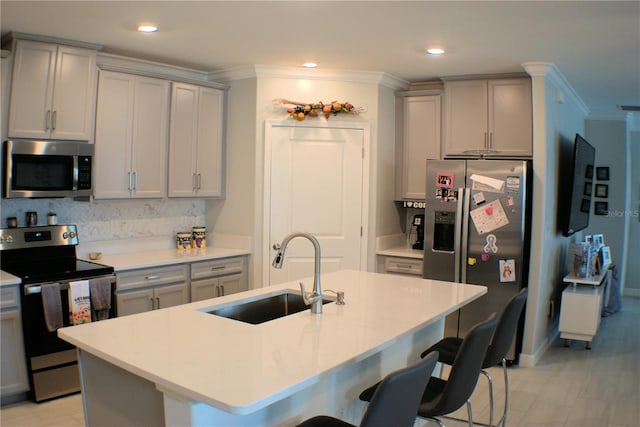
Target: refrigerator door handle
{"type": "Point", "coordinates": [465, 234]}
{"type": "Point", "coordinates": [457, 241]}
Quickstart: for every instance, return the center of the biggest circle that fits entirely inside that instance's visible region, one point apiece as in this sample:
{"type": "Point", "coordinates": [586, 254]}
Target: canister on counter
{"type": "Point", "coordinates": [32, 219]}
{"type": "Point", "coordinates": [183, 242]}
{"type": "Point", "coordinates": [199, 237]}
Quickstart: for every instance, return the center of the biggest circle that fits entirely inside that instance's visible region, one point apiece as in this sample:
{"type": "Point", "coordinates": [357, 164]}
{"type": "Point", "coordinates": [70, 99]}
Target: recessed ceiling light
{"type": "Point", "coordinates": [309, 65]}
{"type": "Point", "coordinates": [147, 28]}
{"type": "Point", "coordinates": [435, 51]}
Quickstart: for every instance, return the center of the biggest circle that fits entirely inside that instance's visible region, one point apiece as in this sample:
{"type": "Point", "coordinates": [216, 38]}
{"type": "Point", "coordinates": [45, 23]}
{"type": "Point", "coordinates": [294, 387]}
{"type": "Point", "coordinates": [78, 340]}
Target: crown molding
{"type": "Point", "coordinates": [550, 72]}
{"type": "Point", "coordinates": [621, 116]}
{"type": "Point", "coordinates": [273, 71]}
{"type": "Point", "coordinates": [14, 35]}
{"type": "Point", "coordinates": [141, 67]}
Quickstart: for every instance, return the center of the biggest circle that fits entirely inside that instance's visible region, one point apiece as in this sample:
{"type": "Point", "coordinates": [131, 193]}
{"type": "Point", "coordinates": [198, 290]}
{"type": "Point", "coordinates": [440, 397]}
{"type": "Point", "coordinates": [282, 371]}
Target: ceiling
{"type": "Point", "coordinates": [594, 44]}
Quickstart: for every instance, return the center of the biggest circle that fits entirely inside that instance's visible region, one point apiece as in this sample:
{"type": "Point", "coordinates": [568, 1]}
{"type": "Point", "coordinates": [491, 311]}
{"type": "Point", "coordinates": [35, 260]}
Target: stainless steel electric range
{"type": "Point", "coordinates": [39, 256]}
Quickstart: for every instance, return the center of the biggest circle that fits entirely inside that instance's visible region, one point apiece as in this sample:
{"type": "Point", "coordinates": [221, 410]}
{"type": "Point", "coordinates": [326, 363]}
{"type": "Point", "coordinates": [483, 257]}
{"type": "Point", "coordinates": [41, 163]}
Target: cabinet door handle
{"type": "Point", "coordinates": [135, 180]}
{"type": "Point", "coordinates": [153, 277]}
{"type": "Point", "coordinates": [129, 173]}
{"type": "Point", "coordinates": [54, 120]}
{"type": "Point", "coordinates": [217, 291]}
{"type": "Point", "coordinates": [222, 286]}
{"type": "Point", "coordinates": [405, 266]}
{"type": "Point", "coordinates": [48, 120]}
{"type": "Point", "coordinates": [199, 181]}
{"type": "Point", "coordinates": [153, 306]}
{"type": "Point", "coordinates": [490, 140]}
{"type": "Point", "coordinates": [158, 301]}
{"type": "Point", "coordinates": [486, 146]}
{"type": "Point", "coordinates": [193, 181]}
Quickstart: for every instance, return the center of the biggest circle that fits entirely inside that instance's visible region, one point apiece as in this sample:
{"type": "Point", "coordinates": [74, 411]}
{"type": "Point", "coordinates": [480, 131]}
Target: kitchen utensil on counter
{"type": "Point", "coordinates": [32, 219]}
{"type": "Point", "coordinates": [52, 218]}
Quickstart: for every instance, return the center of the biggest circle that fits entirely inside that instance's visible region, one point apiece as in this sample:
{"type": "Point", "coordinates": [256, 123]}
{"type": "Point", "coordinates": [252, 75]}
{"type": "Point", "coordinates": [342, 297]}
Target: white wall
{"type": "Point", "coordinates": [242, 211]}
{"type": "Point", "coordinates": [558, 114]}
{"type": "Point", "coordinates": [609, 137]}
{"type": "Point", "coordinates": [632, 278]}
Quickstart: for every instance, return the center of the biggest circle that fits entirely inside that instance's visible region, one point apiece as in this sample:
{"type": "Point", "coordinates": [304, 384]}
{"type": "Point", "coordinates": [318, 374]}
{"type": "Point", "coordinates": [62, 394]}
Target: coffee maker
{"type": "Point", "coordinates": [418, 222]}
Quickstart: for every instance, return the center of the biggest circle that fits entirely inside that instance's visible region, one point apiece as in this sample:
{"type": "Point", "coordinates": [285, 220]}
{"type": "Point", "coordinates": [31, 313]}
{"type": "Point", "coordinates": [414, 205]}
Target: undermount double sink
{"type": "Point", "coordinates": [269, 307]}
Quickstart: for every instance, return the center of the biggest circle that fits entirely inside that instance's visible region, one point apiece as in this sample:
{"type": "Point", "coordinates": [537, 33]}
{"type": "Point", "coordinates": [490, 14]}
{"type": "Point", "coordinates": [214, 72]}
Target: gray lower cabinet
{"type": "Point", "coordinates": [149, 289]}
{"type": "Point", "coordinates": [216, 278]}
{"type": "Point", "coordinates": [13, 369]}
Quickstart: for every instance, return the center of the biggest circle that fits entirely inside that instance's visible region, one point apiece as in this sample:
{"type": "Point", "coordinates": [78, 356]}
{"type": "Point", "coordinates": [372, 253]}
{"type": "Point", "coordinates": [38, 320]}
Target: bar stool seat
{"type": "Point", "coordinates": [394, 403]}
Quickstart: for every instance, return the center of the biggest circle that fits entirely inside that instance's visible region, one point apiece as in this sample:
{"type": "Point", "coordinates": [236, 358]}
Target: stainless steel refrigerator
{"type": "Point", "coordinates": [477, 231]}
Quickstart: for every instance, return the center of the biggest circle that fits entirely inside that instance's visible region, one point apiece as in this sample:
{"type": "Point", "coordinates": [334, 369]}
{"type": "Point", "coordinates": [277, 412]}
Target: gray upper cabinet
{"type": "Point", "coordinates": [196, 141]}
{"type": "Point", "coordinates": [131, 136]}
{"type": "Point", "coordinates": [421, 127]}
{"type": "Point", "coordinates": [491, 117]}
{"type": "Point", "coordinates": [53, 91]}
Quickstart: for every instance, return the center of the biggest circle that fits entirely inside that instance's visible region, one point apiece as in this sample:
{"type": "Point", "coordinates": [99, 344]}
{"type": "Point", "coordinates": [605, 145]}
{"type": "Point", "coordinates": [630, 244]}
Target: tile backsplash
{"type": "Point", "coordinates": [113, 219]}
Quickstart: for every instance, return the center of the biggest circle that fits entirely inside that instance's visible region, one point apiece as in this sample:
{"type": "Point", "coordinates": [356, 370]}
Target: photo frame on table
{"type": "Point", "coordinates": [598, 240]}
{"type": "Point", "coordinates": [602, 190]}
{"type": "Point", "coordinates": [606, 255]}
{"type": "Point", "coordinates": [602, 173]}
{"type": "Point", "coordinates": [601, 208]}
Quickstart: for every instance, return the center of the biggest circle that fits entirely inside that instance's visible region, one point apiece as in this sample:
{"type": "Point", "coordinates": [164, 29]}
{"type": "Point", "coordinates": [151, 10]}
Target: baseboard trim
{"type": "Point", "coordinates": [530, 360]}
{"type": "Point", "coordinates": [631, 292]}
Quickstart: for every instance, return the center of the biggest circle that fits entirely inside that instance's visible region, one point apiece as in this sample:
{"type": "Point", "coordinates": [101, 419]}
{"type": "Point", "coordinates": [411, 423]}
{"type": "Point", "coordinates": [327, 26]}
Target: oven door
{"type": "Point", "coordinates": [51, 361]}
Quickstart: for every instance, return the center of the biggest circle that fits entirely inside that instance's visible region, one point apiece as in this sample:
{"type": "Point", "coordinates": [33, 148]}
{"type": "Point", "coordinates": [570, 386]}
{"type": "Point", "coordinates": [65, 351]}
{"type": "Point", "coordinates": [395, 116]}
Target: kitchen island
{"type": "Point", "coordinates": [184, 366]}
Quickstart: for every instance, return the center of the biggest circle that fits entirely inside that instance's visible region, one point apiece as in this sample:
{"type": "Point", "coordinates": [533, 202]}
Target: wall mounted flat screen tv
{"type": "Point", "coordinates": [578, 199]}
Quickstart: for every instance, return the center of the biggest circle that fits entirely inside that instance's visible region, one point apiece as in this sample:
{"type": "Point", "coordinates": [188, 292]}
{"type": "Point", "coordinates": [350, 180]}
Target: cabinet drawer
{"type": "Point", "coordinates": [9, 297]}
{"type": "Point", "coordinates": [151, 277]}
{"type": "Point", "coordinates": [403, 265]}
{"type": "Point", "coordinates": [218, 267]}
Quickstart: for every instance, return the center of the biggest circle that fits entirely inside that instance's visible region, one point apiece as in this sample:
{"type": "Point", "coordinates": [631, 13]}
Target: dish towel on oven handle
{"type": "Point", "coordinates": [51, 305]}
{"type": "Point", "coordinates": [79, 302]}
{"type": "Point", "coordinates": [100, 290]}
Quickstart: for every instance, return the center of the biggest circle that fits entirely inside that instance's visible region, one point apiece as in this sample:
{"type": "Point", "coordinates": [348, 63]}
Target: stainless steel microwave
{"type": "Point", "coordinates": [39, 169]}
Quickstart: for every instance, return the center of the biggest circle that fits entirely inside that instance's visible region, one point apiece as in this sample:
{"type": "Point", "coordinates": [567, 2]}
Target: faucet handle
{"type": "Point", "coordinates": [339, 295]}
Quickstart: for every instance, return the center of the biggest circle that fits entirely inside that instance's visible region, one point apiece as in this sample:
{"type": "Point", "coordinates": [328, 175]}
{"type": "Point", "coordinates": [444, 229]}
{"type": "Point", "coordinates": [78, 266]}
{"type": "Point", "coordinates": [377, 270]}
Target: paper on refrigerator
{"type": "Point", "coordinates": [485, 183]}
{"type": "Point", "coordinates": [489, 217]}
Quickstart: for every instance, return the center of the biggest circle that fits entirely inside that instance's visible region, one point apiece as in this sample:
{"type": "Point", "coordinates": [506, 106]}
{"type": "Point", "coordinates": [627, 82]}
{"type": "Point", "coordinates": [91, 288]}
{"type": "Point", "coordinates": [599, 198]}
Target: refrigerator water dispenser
{"type": "Point", "coordinates": [444, 231]}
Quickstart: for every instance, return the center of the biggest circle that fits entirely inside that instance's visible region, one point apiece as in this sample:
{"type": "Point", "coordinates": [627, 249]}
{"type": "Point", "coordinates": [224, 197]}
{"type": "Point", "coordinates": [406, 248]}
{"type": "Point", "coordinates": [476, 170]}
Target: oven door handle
{"type": "Point", "coordinates": [37, 289]}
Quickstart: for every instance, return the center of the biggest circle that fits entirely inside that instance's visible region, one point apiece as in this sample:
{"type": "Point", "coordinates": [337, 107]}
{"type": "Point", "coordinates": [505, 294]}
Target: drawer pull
{"type": "Point", "coordinates": [154, 277]}
{"type": "Point", "coordinates": [409, 266]}
{"type": "Point", "coordinates": [218, 267]}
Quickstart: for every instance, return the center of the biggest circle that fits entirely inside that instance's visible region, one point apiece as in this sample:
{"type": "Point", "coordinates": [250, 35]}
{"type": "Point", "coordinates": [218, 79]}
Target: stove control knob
{"type": "Point", "coordinates": [72, 234]}
{"type": "Point", "coordinates": [7, 239]}
{"type": "Point", "coordinates": [65, 235]}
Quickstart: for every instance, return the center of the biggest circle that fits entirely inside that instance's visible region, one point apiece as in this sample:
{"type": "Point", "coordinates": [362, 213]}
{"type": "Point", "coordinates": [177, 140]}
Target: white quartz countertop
{"type": "Point", "coordinates": [402, 251]}
{"type": "Point", "coordinates": [160, 257]}
{"type": "Point", "coordinates": [7, 279]}
{"type": "Point", "coordinates": [241, 368]}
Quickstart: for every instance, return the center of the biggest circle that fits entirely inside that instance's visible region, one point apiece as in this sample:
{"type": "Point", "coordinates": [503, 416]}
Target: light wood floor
{"type": "Point", "coordinates": [569, 386]}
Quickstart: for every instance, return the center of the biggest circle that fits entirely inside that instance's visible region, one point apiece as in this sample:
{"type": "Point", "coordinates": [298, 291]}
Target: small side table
{"type": "Point", "coordinates": [581, 307]}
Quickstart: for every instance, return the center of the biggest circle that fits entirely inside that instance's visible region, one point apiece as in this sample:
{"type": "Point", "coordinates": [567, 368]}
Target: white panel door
{"type": "Point", "coordinates": [183, 139]}
{"type": "Point", "coordinates": [316, 186]}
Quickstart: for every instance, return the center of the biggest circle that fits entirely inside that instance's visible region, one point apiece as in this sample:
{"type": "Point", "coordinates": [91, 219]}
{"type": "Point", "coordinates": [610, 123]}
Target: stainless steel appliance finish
{"type": "Point", "coordinates": [479, 234]}
{"type": "Point", "coordinates": [35, 168]}
{"type": "Point", "coordinates": [41, 255]}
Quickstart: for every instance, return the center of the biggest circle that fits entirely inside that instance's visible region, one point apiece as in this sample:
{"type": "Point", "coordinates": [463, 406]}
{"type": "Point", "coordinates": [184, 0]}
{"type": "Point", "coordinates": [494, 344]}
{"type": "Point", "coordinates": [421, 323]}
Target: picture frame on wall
{"type": "Point", "coordinates": [601, 208]}
{"type": "Point", "coordinates": [602, 190]}
{"type": "Point", "coordinates": [589, 172]}
{"type": "Point", "coordinates": [602, 173]}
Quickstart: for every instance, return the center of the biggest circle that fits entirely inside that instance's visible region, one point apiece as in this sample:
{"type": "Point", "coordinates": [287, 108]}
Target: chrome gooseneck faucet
{"type": "Point", "coordinates": [315, 298]}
